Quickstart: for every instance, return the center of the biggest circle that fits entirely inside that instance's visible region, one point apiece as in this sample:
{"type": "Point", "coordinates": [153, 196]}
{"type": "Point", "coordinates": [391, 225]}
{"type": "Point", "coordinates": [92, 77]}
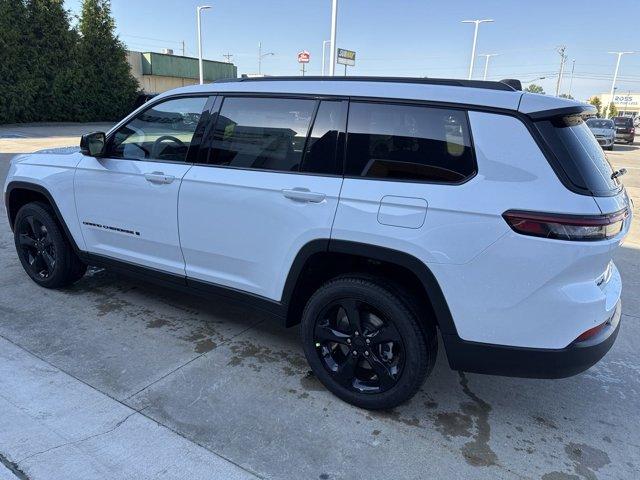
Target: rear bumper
{"type": "Point", "coordinates": [532, 362]}
{"type": "Point", "coordinates": [627, 137]}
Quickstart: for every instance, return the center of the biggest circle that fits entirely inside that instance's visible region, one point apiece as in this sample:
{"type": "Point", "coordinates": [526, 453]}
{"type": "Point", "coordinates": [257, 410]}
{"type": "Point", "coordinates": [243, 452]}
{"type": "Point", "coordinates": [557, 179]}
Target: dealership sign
{"type": "Point", "coordinates": [346, 57]}
{"type": "Point", "coordinates": [304, 57]}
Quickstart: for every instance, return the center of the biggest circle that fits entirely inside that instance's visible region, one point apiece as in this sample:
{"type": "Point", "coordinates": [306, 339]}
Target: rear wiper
{"type": "Point", "coordinates": [618, 173]}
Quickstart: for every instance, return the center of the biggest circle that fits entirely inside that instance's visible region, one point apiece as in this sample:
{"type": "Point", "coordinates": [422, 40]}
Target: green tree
{"type": "Point", "coordinates": [51, 43]}
{"type": "Point", "coordinates": [17, 88]}
{"type": "Point", "coordinates": [533, 88]}
{"type": "Point", "coordinates": [596, 102]}
{"type": "Point", "coordinates": [567, 96]}
{"type": "Point", "coordinates": [612, 111]}
{"type": "Point", "coordinates": [105, 90]}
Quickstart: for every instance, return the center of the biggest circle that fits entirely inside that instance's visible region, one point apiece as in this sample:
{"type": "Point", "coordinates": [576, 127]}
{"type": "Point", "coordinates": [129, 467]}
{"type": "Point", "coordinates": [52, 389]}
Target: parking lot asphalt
{"type": "Point", "coordinates": [114, 378]}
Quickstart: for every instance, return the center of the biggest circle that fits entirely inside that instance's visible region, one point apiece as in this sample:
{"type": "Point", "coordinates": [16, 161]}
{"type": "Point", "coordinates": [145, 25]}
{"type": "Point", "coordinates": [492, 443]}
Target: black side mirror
{"type": "Point", "coordinates": [93, 144]}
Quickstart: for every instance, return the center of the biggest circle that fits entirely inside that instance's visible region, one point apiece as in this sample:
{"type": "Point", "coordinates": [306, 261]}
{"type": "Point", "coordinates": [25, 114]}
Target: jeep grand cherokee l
{"type": "Point", "coordinates": [376, 213]}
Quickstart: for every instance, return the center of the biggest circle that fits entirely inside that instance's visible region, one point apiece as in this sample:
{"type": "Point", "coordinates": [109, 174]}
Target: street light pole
{"type": "Point", "coordinates": [334, 26]}
{"type": "Point", "coordinates": [486, 62]}
{"type": "Point", "coordinates": [615, 75]}
{"type": "Point", "coordinates": [198, 14]}
{"type": "Point", "coordinates": [324, 50]}
{"type": "Point", "coordinates": [573, 67]}
{"type": "Point", "coordinates": [475, 41]}
{"type": "Point", "coordinates": [261, 56]}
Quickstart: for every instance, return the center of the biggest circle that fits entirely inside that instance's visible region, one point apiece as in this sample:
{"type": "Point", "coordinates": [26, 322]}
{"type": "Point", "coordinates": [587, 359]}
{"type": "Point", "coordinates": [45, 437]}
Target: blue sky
{"type": "Point", "coordinates": [402, 37]}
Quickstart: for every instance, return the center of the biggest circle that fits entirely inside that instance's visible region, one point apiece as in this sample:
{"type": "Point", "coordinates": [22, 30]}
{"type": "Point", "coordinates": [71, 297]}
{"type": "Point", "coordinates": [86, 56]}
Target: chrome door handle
{"type": "Point", "coordinates": [303, 195]}
{"type": "Point", "coordinates": [159, 178]}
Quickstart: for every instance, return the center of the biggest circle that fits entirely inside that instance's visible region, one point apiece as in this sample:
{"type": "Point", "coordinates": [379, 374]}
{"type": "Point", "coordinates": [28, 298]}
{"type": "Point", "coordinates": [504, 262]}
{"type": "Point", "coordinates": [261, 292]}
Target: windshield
{"type": "Point", "coordinates": [597, 123]}
{"type": "Point", "coordinates": [579, 155]}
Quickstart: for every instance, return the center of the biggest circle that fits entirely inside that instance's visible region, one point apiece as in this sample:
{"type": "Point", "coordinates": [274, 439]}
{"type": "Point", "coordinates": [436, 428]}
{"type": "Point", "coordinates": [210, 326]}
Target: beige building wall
{"type": "Point", "coordinates": [154, 83]}
{"type": "Point", "coordinates": [627, 102]}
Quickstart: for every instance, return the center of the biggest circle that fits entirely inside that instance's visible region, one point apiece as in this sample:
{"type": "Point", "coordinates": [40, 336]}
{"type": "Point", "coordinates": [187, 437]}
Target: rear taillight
{"type": "Point", "coordinates": [566, 227]}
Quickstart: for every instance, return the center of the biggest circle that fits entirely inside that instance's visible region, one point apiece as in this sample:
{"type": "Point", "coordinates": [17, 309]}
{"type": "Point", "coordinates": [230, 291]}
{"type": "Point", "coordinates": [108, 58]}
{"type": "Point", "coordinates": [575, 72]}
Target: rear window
{"type": "Point", "coordinates": [623, 121]}
{"type": "Point", "coordinates": [579, 155]}
{"type": "Point", "coordinates": [597, 123]}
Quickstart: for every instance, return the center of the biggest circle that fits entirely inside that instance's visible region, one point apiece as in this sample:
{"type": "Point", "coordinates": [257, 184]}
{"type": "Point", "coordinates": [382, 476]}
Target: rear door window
{"type": "Point", "coordinates": [408, 142]}
{"type": "Point", "coordinates": [579, 155]}
{"type": "Point", "coordinates": [261, 133]}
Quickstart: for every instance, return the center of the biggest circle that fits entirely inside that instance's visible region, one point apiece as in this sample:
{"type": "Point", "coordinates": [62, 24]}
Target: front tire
{"type": "Point", "coordinates": [365, 344]}
{"type": "Point", "coordinates": [44, 251]}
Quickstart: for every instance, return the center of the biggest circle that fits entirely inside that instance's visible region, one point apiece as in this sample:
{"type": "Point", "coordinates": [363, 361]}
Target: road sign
{"type": "Point", "coordinates": [346, 57]}
{"type": "Point", "coordinates": [304, 57]}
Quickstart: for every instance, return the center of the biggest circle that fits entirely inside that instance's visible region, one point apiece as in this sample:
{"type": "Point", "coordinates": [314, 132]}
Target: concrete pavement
{"type": "Point", "coordinates": [126, 379]}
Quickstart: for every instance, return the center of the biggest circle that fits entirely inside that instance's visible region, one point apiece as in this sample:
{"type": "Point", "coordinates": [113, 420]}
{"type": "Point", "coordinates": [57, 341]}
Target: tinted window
{"type": "Point", "coordinates": [623, 121]}
{"type": "Point", "coordinates": [321, 153]}
{"type": "Point", "coordinates": [579, 154]}
{"type": "Point", "coordinates": [408, 142]}
{"type": "Point", "coordinates": [262, 133]}
{"type": "Point", "coordinates": [162, 132]}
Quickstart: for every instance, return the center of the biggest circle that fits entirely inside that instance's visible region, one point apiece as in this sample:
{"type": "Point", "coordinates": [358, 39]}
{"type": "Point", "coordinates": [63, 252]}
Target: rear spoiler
{"type": "Point", "coordinates": [563, 112]}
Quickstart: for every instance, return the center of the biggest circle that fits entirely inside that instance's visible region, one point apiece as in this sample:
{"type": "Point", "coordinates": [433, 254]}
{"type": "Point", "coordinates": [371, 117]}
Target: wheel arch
{"type": "Point", "coordinates": [20, 193]}
{"type": "Point", "coordinates": [320, 260]}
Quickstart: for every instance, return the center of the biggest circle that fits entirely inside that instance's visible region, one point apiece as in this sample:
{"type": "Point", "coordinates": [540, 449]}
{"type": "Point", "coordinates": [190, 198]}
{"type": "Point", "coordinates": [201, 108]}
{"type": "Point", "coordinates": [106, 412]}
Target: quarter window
{"type": "Point", "coordinates": [261, 133]}
{"type": "Point", "coordinates": [408, 142]}
{"type": "Point", "coordinates": [162, 132]}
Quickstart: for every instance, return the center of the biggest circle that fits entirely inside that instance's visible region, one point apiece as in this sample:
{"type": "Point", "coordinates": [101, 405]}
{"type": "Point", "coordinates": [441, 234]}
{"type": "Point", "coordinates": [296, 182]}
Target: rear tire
{"type": "Point", "coordinates": [44, 251]}
{"type": "Point", "coordinates": [365, 344]}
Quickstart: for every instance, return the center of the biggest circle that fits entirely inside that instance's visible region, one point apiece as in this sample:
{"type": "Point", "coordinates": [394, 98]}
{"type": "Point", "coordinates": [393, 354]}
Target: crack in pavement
{"type": "Point", "coordinates": [75, 442]}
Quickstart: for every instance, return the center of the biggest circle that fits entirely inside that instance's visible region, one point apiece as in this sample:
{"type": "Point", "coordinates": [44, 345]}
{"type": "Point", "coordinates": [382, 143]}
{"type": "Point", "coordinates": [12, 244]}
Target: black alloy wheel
{"type": "Point", "coordinates": [365, 343]}
{"type": "Point", "coordinates": [360, 349]}
{"type": "Point", "coordinates": [43, 249]}
{"type": "Point", "coordinates": [37, 248]}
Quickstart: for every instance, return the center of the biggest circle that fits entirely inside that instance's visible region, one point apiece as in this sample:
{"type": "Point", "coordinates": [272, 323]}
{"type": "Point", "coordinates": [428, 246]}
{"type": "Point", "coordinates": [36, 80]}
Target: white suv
{"type": "Point", "coordinates": [375, 212]}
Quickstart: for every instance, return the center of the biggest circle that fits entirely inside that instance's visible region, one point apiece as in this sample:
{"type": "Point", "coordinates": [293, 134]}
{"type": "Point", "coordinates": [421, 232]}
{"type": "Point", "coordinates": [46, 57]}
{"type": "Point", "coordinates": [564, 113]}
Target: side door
{"type": "Point", "coordinates": [270, 185]}
{"type": "Point", "coordinates": [127, 201]}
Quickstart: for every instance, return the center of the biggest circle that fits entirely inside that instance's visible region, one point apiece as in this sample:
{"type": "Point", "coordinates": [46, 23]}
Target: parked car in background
{"type": "Point", "coordinates": [604, 130]}
{"type": "Point", "coordinates": [625, 130]}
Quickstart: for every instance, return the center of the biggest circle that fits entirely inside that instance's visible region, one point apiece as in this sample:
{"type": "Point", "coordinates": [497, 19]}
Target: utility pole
{"type": "Point", "coordinates": [334, 26]}
{"type": "Point", "coordinates": [198, 14]}
{"type": "Point", "coordinates": [573, 67]}
{"type": "Point", "coordinates": [475, 41]}
{"type": "Point", "coordinates": [183, 49]}
{"type": "Point", "coordinates": [486, 62]}
{"type": "Point", "coordinates": [228, 57]}
{"type": "Point", "coordinates": [563, 58]}
{"type": "Point", "coordinates": [615, 77]}
{"type": "Point", "coordinates": [324, 49]}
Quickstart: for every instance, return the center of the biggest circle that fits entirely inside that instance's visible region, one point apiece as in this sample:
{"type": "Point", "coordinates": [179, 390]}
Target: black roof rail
{"type": "Point", "coordinates": [453, 82]}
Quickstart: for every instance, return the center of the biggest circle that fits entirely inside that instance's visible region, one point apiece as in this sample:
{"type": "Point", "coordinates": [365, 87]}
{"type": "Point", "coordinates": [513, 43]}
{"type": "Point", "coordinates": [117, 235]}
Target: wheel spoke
{"type": "Point", "coordinates": [346, 371]}
{"type": "Point", "coordinates": [49, 261]}
{"type": "Point", "coordinates": [386, 333]}
{"type": "Point", "coordinates": [382, 371]}
{"type": "Point", "coordinates": [38, 263]}
{"type": "Point", "coordinates": [34, 226]}
{"type": "Point", "coordinates": [324, 333]}
{"type": "Point", "coordinates": [26, 240]}
{"type": "Point", "coordinates": [352, 310]}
